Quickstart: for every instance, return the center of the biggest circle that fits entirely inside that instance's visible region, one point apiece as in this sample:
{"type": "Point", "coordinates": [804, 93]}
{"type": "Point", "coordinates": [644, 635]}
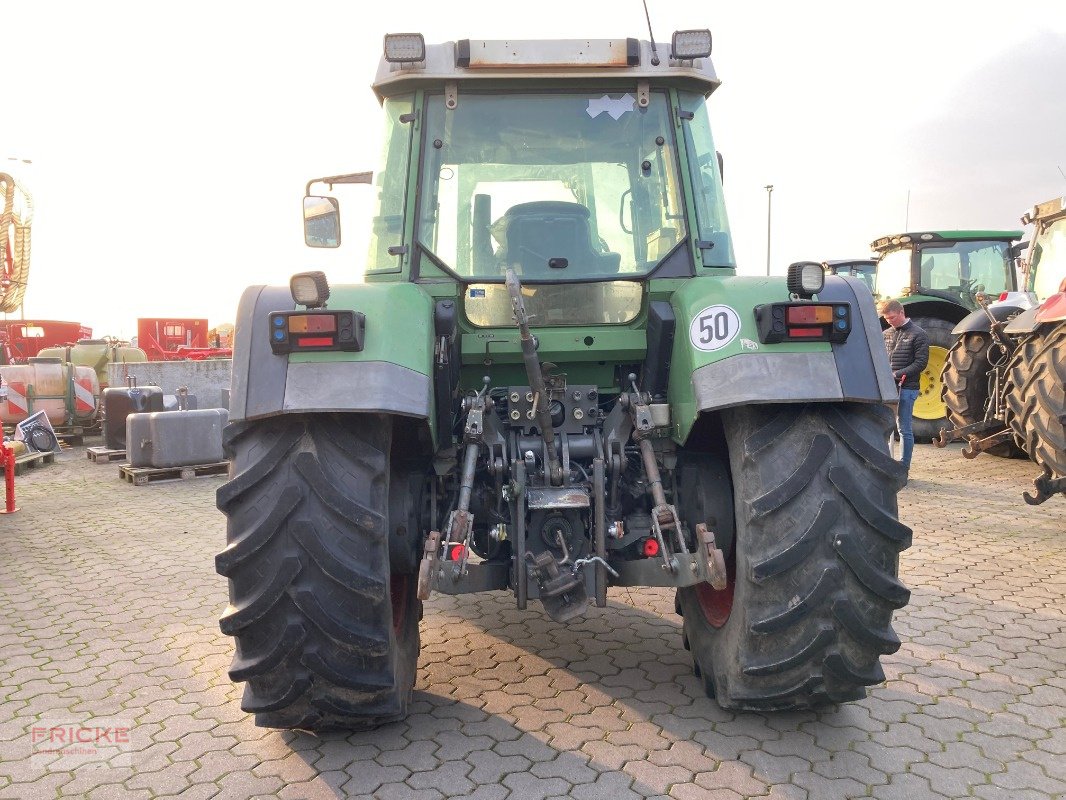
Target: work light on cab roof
{"type": "Point", "coordinates": [404, 48]}
{"type": "Point", "coordinates": [689, 45]}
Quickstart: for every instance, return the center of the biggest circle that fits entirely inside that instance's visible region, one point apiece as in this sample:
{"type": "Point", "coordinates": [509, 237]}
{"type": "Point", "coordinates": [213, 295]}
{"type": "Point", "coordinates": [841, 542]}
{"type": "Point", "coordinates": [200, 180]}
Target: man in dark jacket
{"type": "Point", "coordinates": [908, 354]}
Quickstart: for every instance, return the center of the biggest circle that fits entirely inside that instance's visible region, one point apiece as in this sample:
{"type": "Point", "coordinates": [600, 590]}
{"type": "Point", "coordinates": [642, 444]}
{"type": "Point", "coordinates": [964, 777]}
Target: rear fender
{"type": "Point", "coordinates": [743, 370]}
{"type": "Point", "coordinates": [924, 306]}
{"type": "Point", "coordinates": [978, 322]}
{"type": "Point", "coordinates": [1051, 310]}
{"type": "Point", "coordinates": [391, 375]}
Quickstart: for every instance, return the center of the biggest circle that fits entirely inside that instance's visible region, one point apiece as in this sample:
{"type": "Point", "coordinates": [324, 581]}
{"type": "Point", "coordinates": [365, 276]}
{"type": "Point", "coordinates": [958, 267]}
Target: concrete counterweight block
{"type": "Point", "coordinates": [175, 438]}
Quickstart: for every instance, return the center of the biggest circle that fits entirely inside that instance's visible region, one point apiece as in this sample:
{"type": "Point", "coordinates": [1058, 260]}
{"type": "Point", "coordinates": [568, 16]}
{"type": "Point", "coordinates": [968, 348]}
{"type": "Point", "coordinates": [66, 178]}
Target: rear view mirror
{"type": "Point", "coordinates": [322, 222]}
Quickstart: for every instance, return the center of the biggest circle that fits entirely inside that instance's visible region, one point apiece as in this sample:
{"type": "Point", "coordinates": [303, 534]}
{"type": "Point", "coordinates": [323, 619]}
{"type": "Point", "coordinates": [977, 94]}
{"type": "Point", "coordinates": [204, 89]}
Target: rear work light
{"type": "Point", "coordinates": [689, 45]}
{"type": "Point", "coordinates": [803, 322]}
{"type": "Point", "coordinates": [311, 331]}
{"type": "Point", "coordinates": [405, 48]}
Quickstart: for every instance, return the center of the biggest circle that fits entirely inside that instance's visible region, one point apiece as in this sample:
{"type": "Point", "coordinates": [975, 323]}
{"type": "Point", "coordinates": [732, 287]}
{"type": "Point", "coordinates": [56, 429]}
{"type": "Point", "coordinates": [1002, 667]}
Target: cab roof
{"type": "Point", "coordinates": [538, 61]}
{"type": "Point", "coordinates": [837, 263]}
{"type": "Point", "coordinates": [1045, 211]}
{"type": "Point", "coordinates": [900, 240]}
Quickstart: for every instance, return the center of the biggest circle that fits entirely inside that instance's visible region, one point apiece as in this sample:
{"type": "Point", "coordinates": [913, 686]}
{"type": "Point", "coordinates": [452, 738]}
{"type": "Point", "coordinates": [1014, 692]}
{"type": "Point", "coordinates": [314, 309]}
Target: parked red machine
{"type": "Point", "coordinates": [25, 338]}
{"type": "Point", "coordinates": [165, 339]}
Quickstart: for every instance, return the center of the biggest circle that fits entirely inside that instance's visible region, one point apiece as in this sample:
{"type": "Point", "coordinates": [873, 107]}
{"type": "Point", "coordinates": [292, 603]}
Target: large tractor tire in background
{"type": "Point", "coordinates": [930, 413]}
{"type": "Point", "coordinates": [964, 386]}
{"type": "Point", "coordinates": [325, 636]}
{"type": "Point", "coordinates": [813, 571]}
{"type": "Point", "coordinates": [1037, 398]}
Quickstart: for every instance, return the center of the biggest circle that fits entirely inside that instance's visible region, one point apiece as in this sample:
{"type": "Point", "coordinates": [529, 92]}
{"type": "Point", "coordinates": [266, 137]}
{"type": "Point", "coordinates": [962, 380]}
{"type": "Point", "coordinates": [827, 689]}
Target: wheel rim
{"type": "Point", "coordinates": [929, 405]}
{"type": "Point", "coordinates": [716, 604]}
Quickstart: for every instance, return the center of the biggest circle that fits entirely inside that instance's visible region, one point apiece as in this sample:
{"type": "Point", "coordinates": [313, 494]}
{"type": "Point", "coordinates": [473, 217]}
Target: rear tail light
{"type": "Point", "coordinates": [308, 331]}
{"type": "Point", "coordinates": [650, 548]}
{"type": "Point", "coordinates": [803, 322]}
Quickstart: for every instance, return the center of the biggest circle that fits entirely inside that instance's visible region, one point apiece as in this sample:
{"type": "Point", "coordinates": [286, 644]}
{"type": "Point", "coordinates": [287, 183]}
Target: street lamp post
{"type": "Point", "coordinates": [769, 205]}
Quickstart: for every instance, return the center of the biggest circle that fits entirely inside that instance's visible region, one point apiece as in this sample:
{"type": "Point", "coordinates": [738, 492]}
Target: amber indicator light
{"type": "Point", "coordinates": [312, 323]}
{"type": "Point", "coordinates": [810, 315]}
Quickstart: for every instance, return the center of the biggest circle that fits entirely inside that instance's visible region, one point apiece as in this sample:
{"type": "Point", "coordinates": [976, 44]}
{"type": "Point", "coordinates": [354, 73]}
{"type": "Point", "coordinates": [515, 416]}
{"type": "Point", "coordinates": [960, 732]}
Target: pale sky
{"type": "Point", "coordinates": [171, 141]}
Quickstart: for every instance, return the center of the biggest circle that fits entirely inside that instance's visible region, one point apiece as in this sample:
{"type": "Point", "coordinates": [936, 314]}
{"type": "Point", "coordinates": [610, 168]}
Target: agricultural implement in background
{"type": "Point", "coordinates": [26, 338]}
{"type": "Point", "coordinates": [168, 339]}
{"type": "Point", "coordinates": [1015, 363]}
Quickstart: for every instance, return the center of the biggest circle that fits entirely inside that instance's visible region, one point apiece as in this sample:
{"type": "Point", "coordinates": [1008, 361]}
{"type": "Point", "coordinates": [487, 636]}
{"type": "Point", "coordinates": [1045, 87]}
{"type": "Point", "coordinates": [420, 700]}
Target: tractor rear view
{"type": "Point", "coordinates": [552, 382]}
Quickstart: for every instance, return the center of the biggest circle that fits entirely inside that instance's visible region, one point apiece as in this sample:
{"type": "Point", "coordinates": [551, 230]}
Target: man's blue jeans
{"type": "Point", "coordinates": [907, 397]}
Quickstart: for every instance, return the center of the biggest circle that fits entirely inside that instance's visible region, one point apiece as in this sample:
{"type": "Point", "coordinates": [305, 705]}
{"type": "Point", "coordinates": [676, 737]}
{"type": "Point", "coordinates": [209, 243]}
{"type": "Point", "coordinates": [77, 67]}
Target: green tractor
{"type": "Point", "coordinates": [553, 382]}
{"type": "Point", "coordinates": [938, 276]}
{"type": "Point", "coordinates": [865, 269]}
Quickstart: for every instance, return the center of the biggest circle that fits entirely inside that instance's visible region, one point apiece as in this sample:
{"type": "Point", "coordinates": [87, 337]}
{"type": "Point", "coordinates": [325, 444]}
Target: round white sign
{"type": "Point", "coordinates": [714, 328]}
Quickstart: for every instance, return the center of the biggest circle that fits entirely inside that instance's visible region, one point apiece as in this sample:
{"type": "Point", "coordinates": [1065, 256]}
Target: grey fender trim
{"type": "Point", "coordinates": [857, 370]}
{"type": "Point", "coordinates": [376, 386]}
{"type": "Point", "coordinates": [257, 386]}
{"type": "Point", "coordinates": [264, 384]}
{"type": "Point", "coordinates": [767, 378]}
{"type": "Point", "coordinates": [862, 361]}
{"type": "Point", "coordinates": [1023, 323]}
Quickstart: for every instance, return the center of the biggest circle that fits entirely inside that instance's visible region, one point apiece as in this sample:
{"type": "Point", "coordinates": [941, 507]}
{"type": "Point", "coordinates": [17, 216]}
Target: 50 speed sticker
{"type": "Point", "coordinates": [714, 328]}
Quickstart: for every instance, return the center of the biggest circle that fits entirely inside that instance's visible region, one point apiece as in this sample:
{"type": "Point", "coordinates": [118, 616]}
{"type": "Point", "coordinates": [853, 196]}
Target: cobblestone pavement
{"type": "Point", "coordinates": [110, 602]}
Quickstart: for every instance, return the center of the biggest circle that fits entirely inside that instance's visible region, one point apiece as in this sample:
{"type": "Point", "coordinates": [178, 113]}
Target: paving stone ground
{"type": "Point", "coordinates": [108, 617]}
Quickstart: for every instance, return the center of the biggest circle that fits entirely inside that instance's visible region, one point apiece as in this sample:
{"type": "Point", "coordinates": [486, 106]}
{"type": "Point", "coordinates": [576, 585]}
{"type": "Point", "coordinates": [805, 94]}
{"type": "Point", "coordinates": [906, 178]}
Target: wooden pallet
{"type": "Point", "coordinates": [104, 455]}
{"type": "Point", "coordinates": [142, 476]}
{"type": "Point", "coordinates": [31, 460]}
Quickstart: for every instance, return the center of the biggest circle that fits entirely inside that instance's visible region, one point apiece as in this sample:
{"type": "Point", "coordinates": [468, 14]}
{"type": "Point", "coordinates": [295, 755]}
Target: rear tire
{"type": "Point", "coordinates": [930, 413]}
{"type": "Point", "coordinates": [1038, 397]}
{"type": "Point", "coordinates": [325, 636]}
{"type": "Point", "coordinates": [964, 386]}
{"type": "Point", "coordinates": [813, 573]}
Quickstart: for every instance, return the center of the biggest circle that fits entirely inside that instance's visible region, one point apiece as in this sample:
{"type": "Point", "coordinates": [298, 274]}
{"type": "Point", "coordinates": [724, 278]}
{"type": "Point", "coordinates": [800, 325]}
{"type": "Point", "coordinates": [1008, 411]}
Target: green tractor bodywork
{"type": "Point", "coordinates": [937, 276]}
{"type": "Point", "coordinates": [553, 380]}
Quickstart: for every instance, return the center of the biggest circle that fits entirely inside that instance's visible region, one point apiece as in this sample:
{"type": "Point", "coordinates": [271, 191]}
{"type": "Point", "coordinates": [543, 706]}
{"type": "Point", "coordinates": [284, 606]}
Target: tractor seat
{"type": "Point", "coordinates": [533, 235]}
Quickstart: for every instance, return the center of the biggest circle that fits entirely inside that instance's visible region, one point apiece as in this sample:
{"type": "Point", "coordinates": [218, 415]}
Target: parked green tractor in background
{"type": "Point", "coordinates": [865, 269]}
{"type": "Point", "coordinates": [937, 276]}
{"type": "Point", "coordinates": [552, 381]}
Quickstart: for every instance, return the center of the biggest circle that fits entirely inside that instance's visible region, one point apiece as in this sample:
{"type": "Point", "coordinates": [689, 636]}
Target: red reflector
{"type": "Point", "coordinates": [457, 552]}
{"type": "Point", "coordinates": [314, 341]}
{"type": "Point", "coordinates": [1002, 295]}
{"type": "Point", "coordinates": [805, 333]}
{"type": "Point", "coordinates": [650, 548]}
{"type": "Point", "coordinates": [808, 315]}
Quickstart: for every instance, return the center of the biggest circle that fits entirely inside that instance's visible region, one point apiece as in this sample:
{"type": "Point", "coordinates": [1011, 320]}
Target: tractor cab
{"type": "Point", "coordinates": [865, 269]}
{"type": "Point", "coordinates": [951, 266]}
{"type": "Point", "coordinates": [561, 160]}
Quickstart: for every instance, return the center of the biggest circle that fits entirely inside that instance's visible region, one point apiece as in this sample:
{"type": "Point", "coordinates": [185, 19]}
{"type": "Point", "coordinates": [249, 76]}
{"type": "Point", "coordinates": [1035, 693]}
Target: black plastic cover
{"type": "Point", "coordinates": [661, 328]}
